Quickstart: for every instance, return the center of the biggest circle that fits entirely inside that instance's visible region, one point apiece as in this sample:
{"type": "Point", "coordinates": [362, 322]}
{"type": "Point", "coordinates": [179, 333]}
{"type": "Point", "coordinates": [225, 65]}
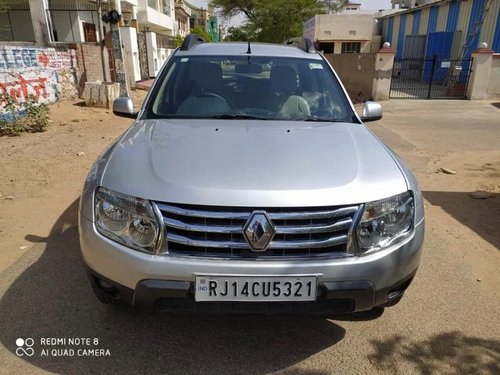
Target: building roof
{"type": "Point", "coordinates": [240, 49]}
{"type": "Point", "coordinates": [412, 10]}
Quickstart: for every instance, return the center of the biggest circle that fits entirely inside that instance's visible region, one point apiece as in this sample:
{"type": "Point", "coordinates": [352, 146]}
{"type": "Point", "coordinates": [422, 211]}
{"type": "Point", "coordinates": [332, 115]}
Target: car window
{"type": "Point", "coordinates": [249, 87]}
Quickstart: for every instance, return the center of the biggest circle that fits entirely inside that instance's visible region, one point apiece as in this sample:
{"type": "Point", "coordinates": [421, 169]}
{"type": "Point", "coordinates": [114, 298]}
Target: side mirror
{"type": "Point", "coordinates": [372, 111]}
{"type": "Point", "coordinates": [123, 106]}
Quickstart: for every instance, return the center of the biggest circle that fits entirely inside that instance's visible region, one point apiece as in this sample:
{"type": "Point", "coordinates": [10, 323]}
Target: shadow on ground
{"type": "Point", "coordinates": [480, 215]}
{"type": "Point", "coordinates": [450, 353]}
{"type": "Point", "coordinates": [52, 299]}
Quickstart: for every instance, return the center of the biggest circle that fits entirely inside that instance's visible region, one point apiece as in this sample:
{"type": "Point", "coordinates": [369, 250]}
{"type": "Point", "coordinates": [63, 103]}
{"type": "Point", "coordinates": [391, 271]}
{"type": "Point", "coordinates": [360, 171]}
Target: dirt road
{"type": "Point", "coordinates": [449, 321]}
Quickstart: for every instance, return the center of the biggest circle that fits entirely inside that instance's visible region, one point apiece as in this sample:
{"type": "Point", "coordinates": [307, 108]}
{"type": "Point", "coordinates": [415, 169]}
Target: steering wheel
{"type": "Point", "coordinates": [210, 94]}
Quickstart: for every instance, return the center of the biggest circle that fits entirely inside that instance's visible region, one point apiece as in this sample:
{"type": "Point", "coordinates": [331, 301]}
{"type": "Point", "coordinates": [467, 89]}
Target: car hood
{"type": "Point", "coordinates": [252, 163]}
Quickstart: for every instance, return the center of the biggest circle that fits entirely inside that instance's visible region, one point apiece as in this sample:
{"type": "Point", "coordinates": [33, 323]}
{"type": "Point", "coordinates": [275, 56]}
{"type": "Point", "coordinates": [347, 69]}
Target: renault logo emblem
{"type": "Point", "coordinates": [258, 231]}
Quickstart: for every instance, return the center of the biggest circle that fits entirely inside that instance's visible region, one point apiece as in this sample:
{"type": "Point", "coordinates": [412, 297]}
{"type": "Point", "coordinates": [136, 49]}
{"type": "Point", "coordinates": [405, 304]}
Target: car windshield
{"type": "Point", "coordinates": [249, 87]}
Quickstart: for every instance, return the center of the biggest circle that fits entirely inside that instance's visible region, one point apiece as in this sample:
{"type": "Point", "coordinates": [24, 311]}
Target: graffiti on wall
{"type": "Point", "coordinates": [29, 72]}
{"type": "Point", "coordinates": [19, 87]}
{"type": "Point", "coordinates": [21, 58]}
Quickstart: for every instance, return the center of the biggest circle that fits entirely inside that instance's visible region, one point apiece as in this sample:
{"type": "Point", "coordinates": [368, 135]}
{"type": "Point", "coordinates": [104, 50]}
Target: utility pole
{"type": "Point", "coordinates": [121, 73]}
{"type": "Point", "coordinates": [104, 51]}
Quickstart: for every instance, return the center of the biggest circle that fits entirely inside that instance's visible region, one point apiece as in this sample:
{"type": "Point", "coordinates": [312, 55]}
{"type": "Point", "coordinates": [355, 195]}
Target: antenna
{"type": "Point", "coordinates": [249, 50]}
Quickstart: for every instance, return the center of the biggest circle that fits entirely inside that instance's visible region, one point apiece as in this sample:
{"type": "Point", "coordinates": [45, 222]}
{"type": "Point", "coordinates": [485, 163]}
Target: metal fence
{"type": "Point", "coordinates": [435, 78]}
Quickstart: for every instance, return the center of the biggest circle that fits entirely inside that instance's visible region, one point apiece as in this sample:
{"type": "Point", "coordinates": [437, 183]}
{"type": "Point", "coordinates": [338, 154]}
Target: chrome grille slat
{"type": "Point", "coordinates": [311, 244]}
{"type": "Point", "coordinates": [207, 231]}
{"type": "Point", "coordinates": [177, 224]}
{"type": "Point", "coordinates": [312, 214]}
{"type": "Point", "coordinates": [203, 214]}
{"type": "Point", "coordinates": [243, 215]}
{"type": "Point", "coordinates": [333, 241]}
{"type": "Point", "coordinates": [312, 228]}
{"type": "Point", "coordinates": [235, 229]}
{"type": "Point", "coordinates": [206, 243]}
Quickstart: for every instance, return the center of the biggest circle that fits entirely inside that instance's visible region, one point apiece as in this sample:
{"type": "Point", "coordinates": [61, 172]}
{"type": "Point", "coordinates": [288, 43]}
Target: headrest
{"type": "Point", "coordinates": [208, 75]}
{"type": "Point", "coordinates": [283, 79]}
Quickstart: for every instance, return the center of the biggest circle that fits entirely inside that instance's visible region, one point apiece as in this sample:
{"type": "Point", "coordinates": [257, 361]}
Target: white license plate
{"type": "Point", "coordinates": [255, 288]}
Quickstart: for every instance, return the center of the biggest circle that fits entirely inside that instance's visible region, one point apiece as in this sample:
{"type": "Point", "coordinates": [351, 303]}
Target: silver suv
{"type": "Point", "coordinates": [247, 182]}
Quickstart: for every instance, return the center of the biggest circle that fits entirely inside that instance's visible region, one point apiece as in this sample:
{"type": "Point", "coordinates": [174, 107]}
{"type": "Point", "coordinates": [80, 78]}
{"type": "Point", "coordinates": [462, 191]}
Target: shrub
{"type": "Point", "coordinates": [30, 117]}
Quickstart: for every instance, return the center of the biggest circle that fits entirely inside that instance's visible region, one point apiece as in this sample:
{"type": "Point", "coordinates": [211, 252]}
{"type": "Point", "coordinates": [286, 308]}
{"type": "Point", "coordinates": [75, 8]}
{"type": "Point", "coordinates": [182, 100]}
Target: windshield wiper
{"type": "Point", "coordinates": [312, 119]}
{"type": "Point", "coordinates": [228, 116]}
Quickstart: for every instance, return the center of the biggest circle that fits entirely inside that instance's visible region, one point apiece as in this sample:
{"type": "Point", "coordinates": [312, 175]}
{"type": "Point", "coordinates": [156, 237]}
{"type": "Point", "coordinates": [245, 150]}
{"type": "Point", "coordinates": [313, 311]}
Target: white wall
{"type": "Point", "coordinates": [131, 50]}
{"type": "Point", "coordinates": [493, 89]}
{"type": "Point", "coordinates": [353, 27]}
{"type": "Point", "coordinates": [153, 63]}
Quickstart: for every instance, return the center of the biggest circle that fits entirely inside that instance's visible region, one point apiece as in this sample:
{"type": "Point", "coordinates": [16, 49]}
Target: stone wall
{"type": "Point", "coordinates": [44, 74]}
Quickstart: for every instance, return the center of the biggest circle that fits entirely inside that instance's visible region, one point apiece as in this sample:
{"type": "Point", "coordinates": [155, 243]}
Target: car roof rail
{"type": "Point", "coordinates": [190, 41]}
{"type": "Point", "coordinates": [301, 42]}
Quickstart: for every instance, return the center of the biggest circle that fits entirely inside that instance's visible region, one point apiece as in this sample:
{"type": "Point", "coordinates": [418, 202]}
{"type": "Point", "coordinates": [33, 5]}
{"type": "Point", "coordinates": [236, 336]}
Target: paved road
{"type": "Point", "coordinates": [449, 322]}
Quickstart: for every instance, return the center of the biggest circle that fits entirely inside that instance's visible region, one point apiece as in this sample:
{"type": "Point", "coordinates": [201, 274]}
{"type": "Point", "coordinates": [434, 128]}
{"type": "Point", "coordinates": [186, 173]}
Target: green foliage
{"type": "Point", "coordinates": [230, 8]}
{"type": "Point", "coordinates": [35, 118]}
{"type": "Point", "coordinates": [178, 40]}
{"type": "Point", "coordinates": [241, 34]}
{"type": "Point", "coordinates": [198, 30]}
{"type": "Point", "coordinates": [272, 20]}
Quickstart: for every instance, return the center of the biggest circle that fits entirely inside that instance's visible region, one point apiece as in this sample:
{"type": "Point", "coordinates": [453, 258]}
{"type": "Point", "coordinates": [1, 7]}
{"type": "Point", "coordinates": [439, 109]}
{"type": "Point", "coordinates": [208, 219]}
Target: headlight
{"type": "Point", "coordinates": [385, 222]}
{"type": "Point", "coordinates": [127, 220]}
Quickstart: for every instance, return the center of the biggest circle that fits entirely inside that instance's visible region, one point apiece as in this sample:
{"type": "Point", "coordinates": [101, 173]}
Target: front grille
{"type": "Point", "coordinates": [209, 231]}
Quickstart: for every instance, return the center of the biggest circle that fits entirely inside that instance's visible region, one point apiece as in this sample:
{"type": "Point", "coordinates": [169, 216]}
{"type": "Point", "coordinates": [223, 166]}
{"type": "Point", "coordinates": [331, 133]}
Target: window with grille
{"type": "Point", "coordinates": [166, 7]}
{"type": "Point", "coordinates": [351, 47]}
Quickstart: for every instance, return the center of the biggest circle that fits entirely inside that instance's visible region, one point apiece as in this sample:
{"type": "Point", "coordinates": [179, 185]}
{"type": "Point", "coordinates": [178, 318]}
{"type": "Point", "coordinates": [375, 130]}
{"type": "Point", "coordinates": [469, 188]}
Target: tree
{"type": "Point", "coordinates": [241, 34]}
{"type": "Point", "coordinates": [230, 8]}
{"type": "Point", "coordinates": [178, 40]}
{"type": "Point", "coordinates": [198, 30]}
{"type": "Point", "coordinates": [273, 20]}
{"type": "Point", "coordinates": [333, 6]}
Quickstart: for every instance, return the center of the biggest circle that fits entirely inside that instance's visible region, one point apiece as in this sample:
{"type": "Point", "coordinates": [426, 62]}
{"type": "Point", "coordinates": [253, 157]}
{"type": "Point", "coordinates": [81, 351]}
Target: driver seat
{"type": "Point", "coordinates": [208, 80]}
{"type": "Point", "coordinates": [284, 85]}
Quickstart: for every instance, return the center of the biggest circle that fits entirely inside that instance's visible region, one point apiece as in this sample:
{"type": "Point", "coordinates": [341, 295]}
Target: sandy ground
{"type": "Point", "coordinates": [449, 321]}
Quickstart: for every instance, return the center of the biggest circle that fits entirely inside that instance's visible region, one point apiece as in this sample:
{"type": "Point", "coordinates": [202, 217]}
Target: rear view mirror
{"type": "Point", "coordinates": [248, 68]}
{"type": "Point", "coordinates": [372, 111]}
{"type": "Point", "coordinates": [123, 106]}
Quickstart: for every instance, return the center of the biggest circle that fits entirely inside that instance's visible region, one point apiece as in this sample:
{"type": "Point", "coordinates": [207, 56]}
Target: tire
{"type": "Point", "coordinates": [101, 295]}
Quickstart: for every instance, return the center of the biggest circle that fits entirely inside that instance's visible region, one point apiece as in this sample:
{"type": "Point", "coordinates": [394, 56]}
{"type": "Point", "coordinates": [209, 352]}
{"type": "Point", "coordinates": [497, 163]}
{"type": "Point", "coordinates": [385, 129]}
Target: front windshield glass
{"type": "Point", "coordinates": [239, 87]}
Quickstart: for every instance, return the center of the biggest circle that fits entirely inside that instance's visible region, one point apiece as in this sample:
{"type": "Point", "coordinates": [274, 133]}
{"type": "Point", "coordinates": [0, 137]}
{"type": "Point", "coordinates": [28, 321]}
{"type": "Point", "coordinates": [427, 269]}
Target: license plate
{"type": "Point", "coordinates": [255, 288]}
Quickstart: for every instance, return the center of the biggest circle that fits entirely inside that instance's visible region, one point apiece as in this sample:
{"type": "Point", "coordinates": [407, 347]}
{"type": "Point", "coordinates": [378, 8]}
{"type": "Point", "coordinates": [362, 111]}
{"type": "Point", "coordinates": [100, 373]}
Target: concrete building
{"type": "Point", "coordinates": [182, 17]}
{"type": "Point", "coordinates": [57, 20]}
{"type": "Point", "coordinates": [147, 28]}
{"type": "Point", "coordinates": [407, 4]}
{"type": "Point", "coordinates": [344, 33]}
{"type": "Point", "coordinates": [199, 17]}
{"type": "Point", "coordinates": [351, 7]}
{"type": "Point", "coordinates": [156, 16]}
{"type": "Point", "coordinates": [450, 29]}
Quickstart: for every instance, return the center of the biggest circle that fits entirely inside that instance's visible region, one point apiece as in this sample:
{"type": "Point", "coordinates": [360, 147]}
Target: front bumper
{"type": "Point", "coordinates": [345, 284]}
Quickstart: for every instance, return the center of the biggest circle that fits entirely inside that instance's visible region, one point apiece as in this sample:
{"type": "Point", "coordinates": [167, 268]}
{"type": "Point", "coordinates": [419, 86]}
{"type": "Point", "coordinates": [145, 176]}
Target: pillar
{"type": "Point", "coordinates": [384, 62]}
{"type": "Point", "coordinates": [480, 74]}
{"type": "Point", "coordinates": [40, 23]}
